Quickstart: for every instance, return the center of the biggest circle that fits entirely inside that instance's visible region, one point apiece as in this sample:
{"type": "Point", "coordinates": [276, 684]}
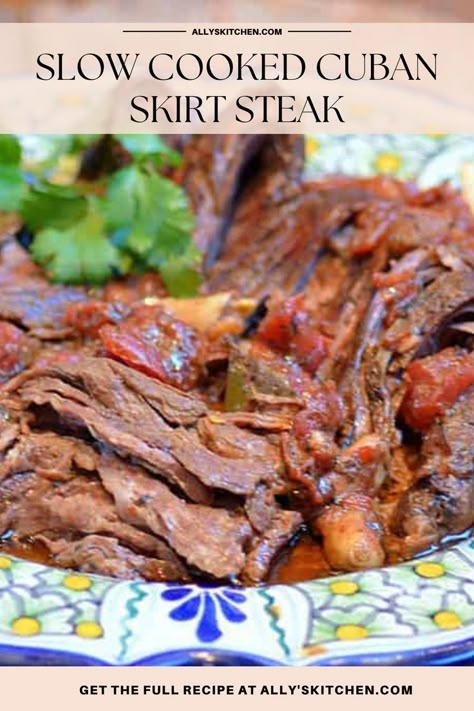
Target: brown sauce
{"type": "Point", "coordinates": [303, 561]}
{"type": "Point", "coordinates": [34, 551]}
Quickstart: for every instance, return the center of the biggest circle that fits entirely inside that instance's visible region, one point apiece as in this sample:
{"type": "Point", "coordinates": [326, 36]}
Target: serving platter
{"type": "Point", "coordinates": [420, 612]}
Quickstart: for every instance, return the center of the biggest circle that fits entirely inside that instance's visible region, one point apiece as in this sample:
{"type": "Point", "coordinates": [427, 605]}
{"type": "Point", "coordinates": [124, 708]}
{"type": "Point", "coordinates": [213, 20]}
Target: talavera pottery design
{"type": "Point", "coordinates": [420, 612]}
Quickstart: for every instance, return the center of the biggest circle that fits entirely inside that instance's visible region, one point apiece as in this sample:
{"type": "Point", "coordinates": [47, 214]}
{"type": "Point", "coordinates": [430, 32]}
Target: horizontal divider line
{"type": "Point", "coordinates": [154, 30]}
{"type": "Point", "coordinates": [319, 30]}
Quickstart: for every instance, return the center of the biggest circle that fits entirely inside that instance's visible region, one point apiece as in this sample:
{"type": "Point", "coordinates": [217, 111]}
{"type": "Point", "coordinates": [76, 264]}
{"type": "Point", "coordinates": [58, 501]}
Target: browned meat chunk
{"type": "Point", "coordinates": [210, 539]}
{"type": "Point", "coordinates": [106, 556]}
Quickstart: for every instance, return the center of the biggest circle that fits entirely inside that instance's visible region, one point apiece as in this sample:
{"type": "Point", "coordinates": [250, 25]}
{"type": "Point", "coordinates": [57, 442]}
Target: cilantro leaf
{"type": "Point", "coordinates": [12, 185]}
{"type": "Point", "coordinates": [48, 205]}
{"type": "Point", "coordinates": [142, 145]}
{"type": "Point", "coordinates": [79, 141]}
{"type": "Point", "coordinates": [173, 221]}
{"type": "Point", "coordinates": [181, 274]}
{"type": "Point", "coordinates": [150, 219]}
{"type": "Point", "coordinates": [10, 149]}
{"type": "Point", "coordinates": [153, 211]}
{"type": "Point", "coordinates": [142, 222]}
{"type": "Point", "coordinates": [80, 253]}
{"type": "Point", "coordinates": [124, 193]}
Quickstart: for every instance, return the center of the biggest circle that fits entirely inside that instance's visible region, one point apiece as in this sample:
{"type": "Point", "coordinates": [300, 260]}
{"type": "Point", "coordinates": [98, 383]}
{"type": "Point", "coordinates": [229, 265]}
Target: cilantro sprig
{"type": "Point", "coordinates": [78, 253]}
{"type": "Point", "coordinates": [131, 220]}
{"type": "Point", "coordinates": [12, 184]}
{"type": "Point", "coordinates": [49, 205]}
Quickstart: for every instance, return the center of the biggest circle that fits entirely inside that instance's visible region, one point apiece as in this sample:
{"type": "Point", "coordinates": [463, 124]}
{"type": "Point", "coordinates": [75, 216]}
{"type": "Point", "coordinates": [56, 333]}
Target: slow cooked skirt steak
{"type": "Point", "coordinates": [319, 393]}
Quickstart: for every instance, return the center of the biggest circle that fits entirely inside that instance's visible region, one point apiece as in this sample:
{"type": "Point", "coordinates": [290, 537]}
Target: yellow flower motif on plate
{"type": "Point", "coordinates": [89, 630]}
{"type": "Point", "coordinates": [350, 633]}
{"type": "Point", "coordinates": [388, 163]}
{"type": "Point", "coordinates": [312, 145]}
{"type": "Point", "coordinates": [344, 587]}
{"type": "Point", "coordinates": [26, 626]}
{"type": "Point", "coordinates": [77, 582]}
{"type": "Point", "coordinates": [447, 620]}
{"type": "Point", "coordinates": [430, 570]}
{"type": "Point", "coordinates": [5, 563]}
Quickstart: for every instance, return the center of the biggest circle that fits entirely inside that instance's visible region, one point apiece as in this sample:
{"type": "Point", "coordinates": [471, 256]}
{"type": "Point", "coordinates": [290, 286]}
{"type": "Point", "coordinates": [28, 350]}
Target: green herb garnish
{"type": "Point", "coordinates": [48, 205]}
{"type": "Point", "coordinates": [12, 183]}
{"type": "Point", "coordinates": [80, 252]}
{"type": "Point", "coordinates": [129, 221]}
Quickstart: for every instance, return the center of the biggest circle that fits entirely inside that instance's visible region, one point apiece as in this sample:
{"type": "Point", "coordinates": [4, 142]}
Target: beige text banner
{"type": "Point", "coordinates": [293, 78]}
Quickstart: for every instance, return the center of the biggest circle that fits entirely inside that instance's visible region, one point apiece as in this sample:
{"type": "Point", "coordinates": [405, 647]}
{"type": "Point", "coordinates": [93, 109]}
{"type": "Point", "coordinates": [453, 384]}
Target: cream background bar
{"type": "Point", "coordinates": [360, 689]}
{"type": "Point", "coordinates": [204, 78]}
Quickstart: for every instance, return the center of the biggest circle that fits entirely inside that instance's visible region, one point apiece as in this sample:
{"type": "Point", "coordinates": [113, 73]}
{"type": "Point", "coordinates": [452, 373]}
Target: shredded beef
{"type": "Point", "coordinates": [116, 408]}
{"type": "Point", "coordinates": [440, 498]}
{"type": "Point", "coordinates": [213, 172]}
{"type": "Point", "coordinates": [322, 383]}
{"type": "Point", "coordinates": [39, 307]}
{"type": "Point", "coordinates": [106, 556]}
{"type": "Point", "coordinates": [265, 547]}
{"type": "Point", "coordinates": [210, 539]}
{"type": "Point", "coordinates": [92, 395]}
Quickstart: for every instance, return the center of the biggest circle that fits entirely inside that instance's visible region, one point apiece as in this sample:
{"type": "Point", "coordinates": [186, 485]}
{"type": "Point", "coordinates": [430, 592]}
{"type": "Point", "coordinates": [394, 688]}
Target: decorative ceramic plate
{"type": "Point", "coordinates": [421, 612]}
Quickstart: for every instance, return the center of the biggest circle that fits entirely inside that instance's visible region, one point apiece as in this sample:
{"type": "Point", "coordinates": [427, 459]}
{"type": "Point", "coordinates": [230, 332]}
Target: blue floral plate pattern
{"type": "Point", "coordinates": [420, 612]}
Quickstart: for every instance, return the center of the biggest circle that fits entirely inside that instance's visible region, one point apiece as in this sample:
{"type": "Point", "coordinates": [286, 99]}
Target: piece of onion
{"type": "Point", "coordinates": [201, 312]}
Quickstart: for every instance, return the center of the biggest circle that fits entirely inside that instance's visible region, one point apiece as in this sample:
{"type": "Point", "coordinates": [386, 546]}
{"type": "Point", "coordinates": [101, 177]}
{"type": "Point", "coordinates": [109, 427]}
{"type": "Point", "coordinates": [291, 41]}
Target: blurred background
{"type": "Point", "coordinates": [236, 11]}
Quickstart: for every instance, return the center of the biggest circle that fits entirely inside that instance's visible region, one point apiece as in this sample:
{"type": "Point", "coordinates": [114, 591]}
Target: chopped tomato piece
{"type": "Point", "coordinates": [310, 349]}
{"type": "Point", "coordinates": [324, 411]}
{"type": "Point", "coordinates": [434, 385]}
{"type": "Point", "coordinates": [281, 323]}
{"type": "Point", "coordinates": [14, 350]}
{"type": "Point", "coordinates": [88, 318]}
{"type": "Point", "coordinates": [157, 344]}
{"type": "Point", "coordinates": [367, 449]}
{"type": "Point", "coordinates": [287, 328]}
